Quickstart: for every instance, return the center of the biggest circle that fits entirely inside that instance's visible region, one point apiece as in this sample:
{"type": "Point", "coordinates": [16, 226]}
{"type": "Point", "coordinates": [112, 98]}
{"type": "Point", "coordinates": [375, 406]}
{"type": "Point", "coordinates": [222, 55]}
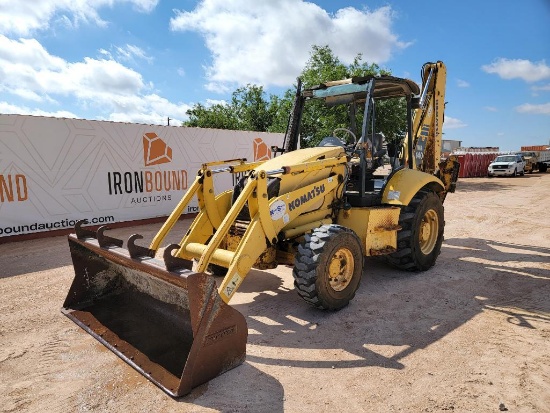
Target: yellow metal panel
{"type": "Point", "coordinates": [287, 208]}
{"type": "Point", "coordinates": [302, 156]}
{"type": "Point", "coordinates": [404, 184]}
{"type": "Point", "coordinates": [382, 231]}
{"type": "Point", "coordinates": [376, 227]}
{"type": "Point", "coordinates": [312, 160]}
{"type": "Point", "coordinates": [356, 219]}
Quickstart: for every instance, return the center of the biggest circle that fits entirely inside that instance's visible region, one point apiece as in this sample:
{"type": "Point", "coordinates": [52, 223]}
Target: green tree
{"type": "Point", "coordinates": [250, 109]}
{"type": "Point", "coordinates": [218, 116]}
{"type": "Point", "coordinates": [319, 121]}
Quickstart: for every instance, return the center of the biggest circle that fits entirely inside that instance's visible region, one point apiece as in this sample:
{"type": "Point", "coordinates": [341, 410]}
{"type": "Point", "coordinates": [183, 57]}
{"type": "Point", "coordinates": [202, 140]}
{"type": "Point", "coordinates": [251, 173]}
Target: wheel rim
{"type": "Point", "coordinates": [429, 229]}
{"type": "Point", "coordinates": [340, 270]}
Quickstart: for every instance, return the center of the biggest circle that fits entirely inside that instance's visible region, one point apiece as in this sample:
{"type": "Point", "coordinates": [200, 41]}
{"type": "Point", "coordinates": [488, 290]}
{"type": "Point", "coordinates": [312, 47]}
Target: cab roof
{"type": "Point", "coordinates": [355, 89]}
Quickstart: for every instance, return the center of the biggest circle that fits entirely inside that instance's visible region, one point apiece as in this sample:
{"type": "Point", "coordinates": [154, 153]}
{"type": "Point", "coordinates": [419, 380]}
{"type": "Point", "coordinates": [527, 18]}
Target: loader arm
{"type": "Point", "coordinates": [203, 187]}
{"type": "Point", "coordinates": [268, 218]}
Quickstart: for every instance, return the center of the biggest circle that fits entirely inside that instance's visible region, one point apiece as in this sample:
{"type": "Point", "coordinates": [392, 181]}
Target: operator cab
{"type": "Point", "coordinates": [361, 136]}
{"type": "Point", "coordinates": [369, 153]}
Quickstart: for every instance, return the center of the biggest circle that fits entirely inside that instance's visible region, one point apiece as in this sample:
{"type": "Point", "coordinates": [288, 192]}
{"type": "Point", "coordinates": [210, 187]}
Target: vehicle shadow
{"type": "Point", "coordinates": [476, 185]}
{"type": "Point", "coordinates": [395, 314]}
{"type": "Point", "coordinates": [262, 392]}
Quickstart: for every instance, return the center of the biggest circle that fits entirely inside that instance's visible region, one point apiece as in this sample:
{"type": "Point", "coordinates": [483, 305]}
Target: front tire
{"type": "Point", "coordinates": [421, 235]}
{"type": "Point", "coordinates": [328, 267]}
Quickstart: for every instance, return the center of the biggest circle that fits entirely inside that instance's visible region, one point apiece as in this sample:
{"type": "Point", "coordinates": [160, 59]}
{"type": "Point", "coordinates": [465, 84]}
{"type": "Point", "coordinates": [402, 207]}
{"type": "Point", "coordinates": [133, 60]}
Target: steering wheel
{"type": "Point", "coordinates": [348, 132]}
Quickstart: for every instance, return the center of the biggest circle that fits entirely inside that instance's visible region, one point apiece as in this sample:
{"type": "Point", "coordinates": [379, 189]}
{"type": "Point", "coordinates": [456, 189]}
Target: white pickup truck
{"type": "Point", "coordinates": [507, 165]}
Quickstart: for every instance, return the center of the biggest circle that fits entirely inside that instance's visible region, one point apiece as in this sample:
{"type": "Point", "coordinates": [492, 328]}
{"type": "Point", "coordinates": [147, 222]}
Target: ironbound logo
{"type": "Point", "coordinates": [155, 152]}
{"type": "Point", "coordinates": [262, 152]}
{"type": "Point", "coordinates": [13, 188]}
{"type": "Point", "coordinates": [308, 196]}
{"type": "Point", "coordinates": [217, 336]}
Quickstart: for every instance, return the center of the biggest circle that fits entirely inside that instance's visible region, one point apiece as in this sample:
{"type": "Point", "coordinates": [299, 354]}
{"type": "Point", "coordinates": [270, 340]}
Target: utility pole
{"type": "Point", "coordinates": [169, 120]}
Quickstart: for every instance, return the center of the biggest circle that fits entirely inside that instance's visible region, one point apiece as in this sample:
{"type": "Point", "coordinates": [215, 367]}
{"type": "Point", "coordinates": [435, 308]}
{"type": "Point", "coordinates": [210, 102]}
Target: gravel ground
{"type": "Point", "coordinates": [470, 335]}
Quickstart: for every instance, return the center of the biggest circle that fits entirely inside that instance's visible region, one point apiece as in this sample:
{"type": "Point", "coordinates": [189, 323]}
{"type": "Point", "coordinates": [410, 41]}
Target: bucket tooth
{"type": "Point", "coordinates": [137, 251]}
{"type": "Point", "coordinates": [175, 263]}
{"type": "Point", "coordinates": [82, 233]}
{"type": "Point", "coordinates": [106, 241]}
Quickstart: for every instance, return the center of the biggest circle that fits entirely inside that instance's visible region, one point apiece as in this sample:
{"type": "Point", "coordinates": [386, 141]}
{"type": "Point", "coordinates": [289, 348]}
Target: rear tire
{"type": "Point", "coordinates": [328, 267]}
{"type": "Point", "coordinates": [421, 235]}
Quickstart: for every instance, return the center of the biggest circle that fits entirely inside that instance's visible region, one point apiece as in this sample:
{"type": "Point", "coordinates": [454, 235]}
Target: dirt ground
{"type": "Point", "coordinates": [470, 335]}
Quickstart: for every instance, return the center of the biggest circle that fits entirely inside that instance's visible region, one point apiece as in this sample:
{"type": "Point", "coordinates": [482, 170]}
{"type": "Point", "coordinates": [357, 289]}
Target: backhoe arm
{"type": "Point", "coordinates": [429, 117]}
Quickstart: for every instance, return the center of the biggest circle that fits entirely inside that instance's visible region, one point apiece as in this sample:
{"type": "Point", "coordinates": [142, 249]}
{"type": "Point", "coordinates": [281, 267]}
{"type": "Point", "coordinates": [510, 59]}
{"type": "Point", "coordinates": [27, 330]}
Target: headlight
{"type": "Point", "coordinates": [510, 165]}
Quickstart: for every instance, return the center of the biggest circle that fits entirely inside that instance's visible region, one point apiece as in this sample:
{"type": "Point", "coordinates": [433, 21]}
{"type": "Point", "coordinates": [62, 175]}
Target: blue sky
{"type": "Point", "coordinates": [145, 60]}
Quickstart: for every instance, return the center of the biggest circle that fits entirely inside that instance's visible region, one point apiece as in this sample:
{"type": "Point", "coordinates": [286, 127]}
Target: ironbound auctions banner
{"type": "Point", "coordinates": [54, 172]}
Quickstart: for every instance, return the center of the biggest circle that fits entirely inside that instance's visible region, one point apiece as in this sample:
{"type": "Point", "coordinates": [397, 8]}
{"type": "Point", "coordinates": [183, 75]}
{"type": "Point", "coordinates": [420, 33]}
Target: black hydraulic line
{"type": "Point", "coordinates": [290, 142]}
{"type": "Point", "coordinates": [410, 133]}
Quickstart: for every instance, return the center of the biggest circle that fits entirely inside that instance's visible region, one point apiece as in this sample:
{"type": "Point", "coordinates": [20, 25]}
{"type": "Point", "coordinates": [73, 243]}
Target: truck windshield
{"type": "Point", "coordinates": [505, 159]}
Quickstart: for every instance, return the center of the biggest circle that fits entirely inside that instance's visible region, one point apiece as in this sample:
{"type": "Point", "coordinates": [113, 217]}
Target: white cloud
{"type": "Point", "coordinates": [462, 83]}
{"type": "Point", "coordinates": [213, 102]}
{"type": "Point", "coordinates": [491, 108]}
{"type": "Point", "coordinates": [25, 64]}
{"type": "Point", "coordinates": [150, 110]}
{"type": "Point", "coordinates": [8, 108]}
{"type": "Point", "coordinates": [453, 123]}
{"type": "Point", "coordinates": [543, 109]}
{"type": "Point", "coordinates": [131, 52]}
{"type": "Point", "coordinates": [27, 70]}
{"type": "Point", "coordinates": [543, 88]}
{"type": "Point", "coordinates": [519, 68]}
{"type": "Point", "coordinates": [22, 17]}
{"type": "Point", "coordinates": [269, 43]}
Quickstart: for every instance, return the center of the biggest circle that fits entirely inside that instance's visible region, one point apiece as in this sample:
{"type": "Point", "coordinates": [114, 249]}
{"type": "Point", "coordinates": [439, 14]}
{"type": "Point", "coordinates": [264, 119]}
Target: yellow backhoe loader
{"type": "Point", "coordinates": [321, 209]}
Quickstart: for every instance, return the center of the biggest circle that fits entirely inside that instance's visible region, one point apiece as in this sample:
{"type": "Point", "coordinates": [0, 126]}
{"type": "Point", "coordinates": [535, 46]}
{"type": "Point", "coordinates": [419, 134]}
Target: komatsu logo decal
{"type": "Point", "coordinates": [308, 196]}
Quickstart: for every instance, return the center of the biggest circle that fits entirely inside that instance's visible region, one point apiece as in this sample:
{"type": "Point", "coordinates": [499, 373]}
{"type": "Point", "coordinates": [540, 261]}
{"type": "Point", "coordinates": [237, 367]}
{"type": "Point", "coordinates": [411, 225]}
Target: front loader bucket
{"type": "Point", "coordinates": [170, 325]}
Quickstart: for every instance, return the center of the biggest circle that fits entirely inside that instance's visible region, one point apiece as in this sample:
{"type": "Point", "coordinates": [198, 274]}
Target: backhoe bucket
{"type": "Point", "coordinates": [166, 321]}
